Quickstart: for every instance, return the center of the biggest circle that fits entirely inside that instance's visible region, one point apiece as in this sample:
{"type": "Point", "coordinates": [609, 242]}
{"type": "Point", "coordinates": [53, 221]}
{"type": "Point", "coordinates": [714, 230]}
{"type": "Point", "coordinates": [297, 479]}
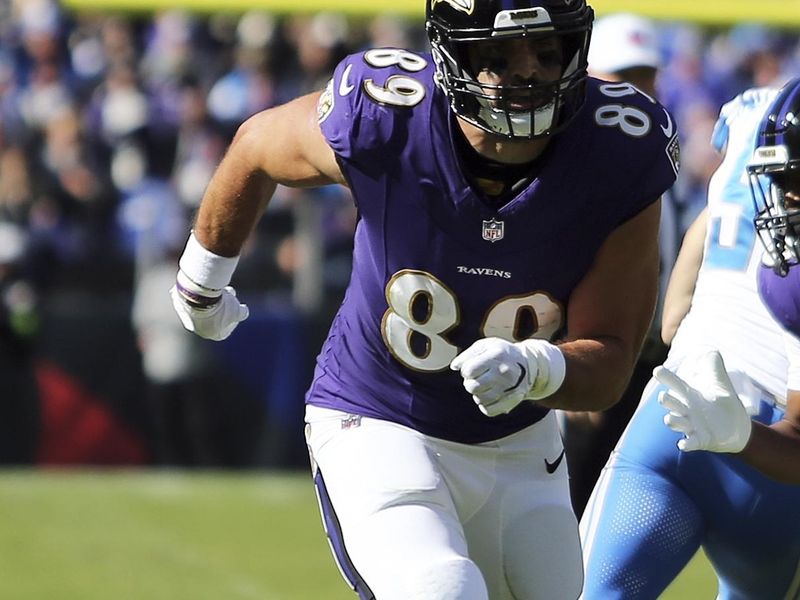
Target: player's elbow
{"type": "Point", "coordinates": [249, 139]}
{"type": "Point", "coordinates": [597, 373]}
{"type": "Point", "coordinates": [623, 356]}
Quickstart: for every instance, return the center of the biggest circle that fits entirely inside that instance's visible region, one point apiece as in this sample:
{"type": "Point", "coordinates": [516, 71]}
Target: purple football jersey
{"type": "Point", "coordinates": [435, 267]}
{"type": "Point", "coordinates": [781, 295]}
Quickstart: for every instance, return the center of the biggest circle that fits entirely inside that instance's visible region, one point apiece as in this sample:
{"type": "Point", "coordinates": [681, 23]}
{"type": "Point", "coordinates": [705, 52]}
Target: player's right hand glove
{"type": "Point", "coordinates": [501, 374]}
{"type": "Point", "coordinates": [213, 316]}
{"type": "Point", "coordinates": [708, 413]}
{"type": "Point", "coordinates": [205, 303]}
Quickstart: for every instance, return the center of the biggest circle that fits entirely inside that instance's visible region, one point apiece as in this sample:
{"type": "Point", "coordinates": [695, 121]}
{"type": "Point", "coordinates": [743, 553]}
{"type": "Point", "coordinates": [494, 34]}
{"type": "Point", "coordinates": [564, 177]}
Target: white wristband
{"type": "Point", "coordinates": [204, 268]}
{"type": "Point", "coordinates": [552, 368]}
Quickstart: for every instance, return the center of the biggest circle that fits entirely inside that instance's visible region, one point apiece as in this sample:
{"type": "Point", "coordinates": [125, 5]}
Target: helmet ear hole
{"type": "Point", "coordinates": [434, 35]}
{"type": "Point", "coordinates": [539, 108]}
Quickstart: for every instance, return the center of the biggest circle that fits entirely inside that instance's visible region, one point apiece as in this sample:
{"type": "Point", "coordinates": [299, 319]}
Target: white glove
{"type": "Point", "coordinates": [708, 413]}
{"type": "Point", "coordinates": [205, 303]}
{"type": "Point", "coordinates": [215, 322]}
{"type": "Point", "coordinates": [501, 374]}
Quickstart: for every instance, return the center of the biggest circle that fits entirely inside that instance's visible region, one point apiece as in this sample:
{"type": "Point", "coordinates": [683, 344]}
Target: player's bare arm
{"type": "Point", "coordinates": [775, 450]}
{"type": "Point", "coordinates": [280, 145]}
{"type": "Point", "coordinates": [680, 288]}
{"type": "Point", "coordinates": [782, 440]}
{"type": "Point", "coordinates": [609, 314]}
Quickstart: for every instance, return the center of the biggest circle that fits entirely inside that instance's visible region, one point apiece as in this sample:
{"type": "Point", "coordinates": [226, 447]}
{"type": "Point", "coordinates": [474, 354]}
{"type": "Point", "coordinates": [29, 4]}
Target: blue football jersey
{"type": "Point", "coordinates": [654, 506]}
{"type": "Point", "coordinates": [436, 267]}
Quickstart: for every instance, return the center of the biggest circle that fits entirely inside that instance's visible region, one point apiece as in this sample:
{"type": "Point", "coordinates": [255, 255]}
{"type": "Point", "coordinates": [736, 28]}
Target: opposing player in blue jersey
{"type": "Point", "coordinates": [505, 263]}
{"type": "Point", "coordinates": [707, 410]}
{"type": "Point", "coordinates": [655, 505]}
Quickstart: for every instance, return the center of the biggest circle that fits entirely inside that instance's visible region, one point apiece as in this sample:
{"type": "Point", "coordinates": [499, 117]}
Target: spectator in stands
{"type": "Point", "coordinates": [178, 369]}
{"type": "Point", "coordinates": [199, 143]}
{"type": "Point", "coordinates": [248, 87]}
{"type": "Point", "coordinates": [19, 326]}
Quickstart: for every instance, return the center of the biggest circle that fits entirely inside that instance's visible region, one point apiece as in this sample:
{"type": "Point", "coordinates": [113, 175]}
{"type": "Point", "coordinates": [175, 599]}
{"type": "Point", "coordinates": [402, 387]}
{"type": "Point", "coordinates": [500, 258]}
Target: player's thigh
{"type": "Point", "coordinates": [525, 536]}
{"type": "Point", "coordinates": [638, 532]}
{"type": "Point", "coordinates": [641, 526]}
{"type": "Point", "coordinates": [759, 579]}
{"type": "Point", "coordinates": [390, 518]}
{"type": "Point", "coordinates": [542, 554]}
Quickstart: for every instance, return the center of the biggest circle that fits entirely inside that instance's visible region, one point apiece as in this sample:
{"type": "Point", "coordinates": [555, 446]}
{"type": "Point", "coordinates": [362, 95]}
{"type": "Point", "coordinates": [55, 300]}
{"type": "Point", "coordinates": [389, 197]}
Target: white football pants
{"type": "Point", "coordinates": [411, 517]}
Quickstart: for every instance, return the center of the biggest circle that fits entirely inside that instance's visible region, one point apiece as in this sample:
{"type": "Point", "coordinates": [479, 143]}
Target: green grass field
{"type": "Point", "coordinates": [148, 535]}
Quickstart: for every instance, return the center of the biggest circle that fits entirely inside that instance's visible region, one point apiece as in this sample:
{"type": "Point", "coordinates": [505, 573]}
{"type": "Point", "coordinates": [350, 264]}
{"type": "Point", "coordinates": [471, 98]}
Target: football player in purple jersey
{"type": "Point", "coordinates": [505, 263]}
{"type": "Point", "coordinates": [709, 412]}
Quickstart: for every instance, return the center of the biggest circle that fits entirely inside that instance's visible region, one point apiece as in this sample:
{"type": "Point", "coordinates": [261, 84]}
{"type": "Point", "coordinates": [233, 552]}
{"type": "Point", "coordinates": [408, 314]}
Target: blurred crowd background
{"type": "Point", "coordinates": [111, 126]}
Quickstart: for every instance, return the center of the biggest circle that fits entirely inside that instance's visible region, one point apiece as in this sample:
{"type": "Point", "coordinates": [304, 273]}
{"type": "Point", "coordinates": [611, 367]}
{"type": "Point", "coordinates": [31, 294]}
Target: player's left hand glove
{"type": "Point", "coordinates": [708, 413]}
{"type": "Point", "coordinates": [501, 374]}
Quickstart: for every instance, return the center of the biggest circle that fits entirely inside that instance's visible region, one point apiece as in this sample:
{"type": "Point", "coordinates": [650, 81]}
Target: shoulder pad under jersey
{"type": "Point", "coordinates": [369, 94]}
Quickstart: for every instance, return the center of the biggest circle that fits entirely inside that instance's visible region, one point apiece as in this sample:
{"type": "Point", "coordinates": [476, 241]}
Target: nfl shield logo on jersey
{"type": "Point", "coordinates": [493, 230]}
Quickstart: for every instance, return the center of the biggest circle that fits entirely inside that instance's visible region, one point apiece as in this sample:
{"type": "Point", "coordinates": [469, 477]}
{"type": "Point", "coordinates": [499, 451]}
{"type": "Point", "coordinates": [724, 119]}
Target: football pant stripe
{"type": "Point", "coordinates": [336, 541]}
